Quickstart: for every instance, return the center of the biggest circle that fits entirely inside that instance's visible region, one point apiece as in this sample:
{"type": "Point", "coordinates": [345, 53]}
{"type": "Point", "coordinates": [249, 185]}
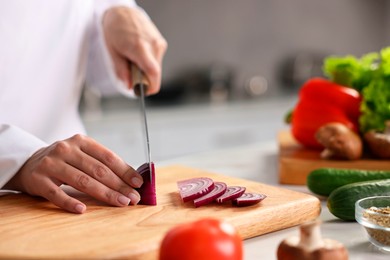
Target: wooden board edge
{"type": "Point", "coordinates": [294, 169]}
{"type": "Point", "coordinates": [290, 174]}
{"type": "Point", "coordinates": [310, 211]}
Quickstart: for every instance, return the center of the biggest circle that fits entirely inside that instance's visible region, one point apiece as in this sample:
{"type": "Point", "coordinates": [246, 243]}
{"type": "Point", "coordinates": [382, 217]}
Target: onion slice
{"type": "Point", "coordinates": [232, 192]}
{"type": "Point", "coordinates": [148, 189]}
{"type": "Point", "coordinates": [194, 188]}
{"type": "Point", "coordinates": [248, 199]}
{"type": "Point", "coordinates": [218, 190]}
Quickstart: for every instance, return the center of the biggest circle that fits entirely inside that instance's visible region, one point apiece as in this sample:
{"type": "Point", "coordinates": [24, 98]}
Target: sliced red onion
{"type": "Point", "coordinates": [248, 199]}
{"type": "Point", "coordinates": [218, 190]}
{"type": "Point", "coordinates": [231, 193]}
{"type": "Point", "coordinates": [148, 189]}
{"type": "Point", "coordinates": [194, 188]}
{"type": "Point", "coordinates": [144, 167]}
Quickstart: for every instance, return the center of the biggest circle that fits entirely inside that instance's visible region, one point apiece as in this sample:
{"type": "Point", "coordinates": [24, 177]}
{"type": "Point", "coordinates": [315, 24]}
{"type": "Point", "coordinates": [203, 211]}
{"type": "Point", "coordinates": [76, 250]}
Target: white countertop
{"type": "Point", "coordinates": [236, 139]}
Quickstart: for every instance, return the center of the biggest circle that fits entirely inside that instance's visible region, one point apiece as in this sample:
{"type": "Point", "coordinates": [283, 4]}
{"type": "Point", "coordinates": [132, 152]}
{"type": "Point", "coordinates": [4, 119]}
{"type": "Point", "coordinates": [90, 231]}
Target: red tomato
{"type": "Point", "coordinates": [202, 240]}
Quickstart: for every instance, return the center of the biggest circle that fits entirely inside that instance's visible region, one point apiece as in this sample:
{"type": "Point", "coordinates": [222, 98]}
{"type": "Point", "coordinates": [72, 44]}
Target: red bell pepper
{"type": "Point", "coordinates": [320, 102]}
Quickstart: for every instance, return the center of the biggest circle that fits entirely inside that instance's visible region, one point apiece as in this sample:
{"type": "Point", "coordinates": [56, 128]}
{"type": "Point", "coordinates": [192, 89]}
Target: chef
{"type": "Point", "coordinates": [49, 50]}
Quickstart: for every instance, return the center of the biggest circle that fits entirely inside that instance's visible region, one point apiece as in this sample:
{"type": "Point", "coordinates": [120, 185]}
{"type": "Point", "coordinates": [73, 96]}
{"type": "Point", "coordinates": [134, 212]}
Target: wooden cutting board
{"type": "Point", "coordinates": [296, 162]}
{"type": "Point", "coordinates": [32, 228]}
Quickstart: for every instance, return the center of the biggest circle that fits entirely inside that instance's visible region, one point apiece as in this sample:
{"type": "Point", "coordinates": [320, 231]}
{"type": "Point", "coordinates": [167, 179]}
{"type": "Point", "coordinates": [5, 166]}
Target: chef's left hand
{"type": "Point", "coordinates": [131, 37]}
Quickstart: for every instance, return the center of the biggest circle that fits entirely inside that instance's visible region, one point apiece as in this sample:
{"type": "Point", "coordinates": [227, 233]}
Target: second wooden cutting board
{"type": "Point", "coordinates": [296, 162]}
{"type": "Point", "coordinates": [32, 228]}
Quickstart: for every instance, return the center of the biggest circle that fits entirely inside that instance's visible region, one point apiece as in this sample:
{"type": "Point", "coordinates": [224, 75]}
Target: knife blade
{"type": "Point", "coordinates": [140, 85]}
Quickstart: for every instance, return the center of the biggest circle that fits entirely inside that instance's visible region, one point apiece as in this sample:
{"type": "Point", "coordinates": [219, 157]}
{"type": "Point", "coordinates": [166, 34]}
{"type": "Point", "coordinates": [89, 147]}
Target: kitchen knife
{"type": "Point", "coordinates": [140, 86]}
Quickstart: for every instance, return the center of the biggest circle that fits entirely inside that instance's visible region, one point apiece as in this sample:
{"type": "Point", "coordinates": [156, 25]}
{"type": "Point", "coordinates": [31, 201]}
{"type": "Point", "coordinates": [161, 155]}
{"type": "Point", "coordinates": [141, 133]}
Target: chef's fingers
{"type": "Point", "coordinates": [58, 197]}
{"type": "Point", "coordinates": [105, 175]}
{"type": "Point", "coordinates": [160, 49]}
{"type": "Point", "coordinates": [146, 48]}
{"type": "Point", "coordinates": [131, 34]}
{"type": "Point", "coordinates": [121, 67]}
{"type": "Point", "coordinates": [85, 183]}
{"type": "Point", "coordinates": [148, 54]}
{"type": "Point", "coordinates": [148, 63]}
{"type": "Point", "coordinates": [109, 159]}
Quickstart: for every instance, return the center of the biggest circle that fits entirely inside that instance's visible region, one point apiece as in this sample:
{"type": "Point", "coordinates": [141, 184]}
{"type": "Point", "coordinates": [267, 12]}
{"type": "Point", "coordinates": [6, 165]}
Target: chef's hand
{"type": "Point", "coordinates": [84, 164]}
{"type": "Point", "coordinates": [132, 37]}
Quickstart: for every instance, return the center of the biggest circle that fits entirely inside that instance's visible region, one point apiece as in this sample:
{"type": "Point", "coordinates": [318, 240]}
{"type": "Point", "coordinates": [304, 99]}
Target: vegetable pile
{"type": "Point", "coordinates": [347, 115]}
{"type": "Point", "coordinates": [355, 94]}
{"type": "Point", "coordinates": [370, 75]}
{"type": "Point", "coordinates": [321, 102]}
{"type": "Point", "coordinates": [204, 190]}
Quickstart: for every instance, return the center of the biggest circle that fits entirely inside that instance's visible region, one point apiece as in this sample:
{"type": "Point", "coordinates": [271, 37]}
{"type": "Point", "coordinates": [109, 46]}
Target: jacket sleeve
{"type": "Point", "coordinates": [16, 146]}
{"type": "Point", "coordinates": [100, 69]}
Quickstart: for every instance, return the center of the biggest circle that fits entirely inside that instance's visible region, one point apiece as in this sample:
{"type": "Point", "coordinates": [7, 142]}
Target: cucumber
{"type": "Point", "coordinates": [324, 180]}
{"type": "Point", "coordinates": [341, 201]}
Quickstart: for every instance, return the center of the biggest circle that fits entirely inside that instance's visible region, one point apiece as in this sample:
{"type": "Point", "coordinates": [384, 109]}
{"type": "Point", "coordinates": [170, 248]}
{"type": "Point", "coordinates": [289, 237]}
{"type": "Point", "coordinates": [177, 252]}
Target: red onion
{"type": "Point", "coordinates": [248, 199]}
{"type": "Point", "coordinates": [143, 168]}
{"type": "Point", "coordinates": [218, 190]}
{"type": "Point", "coordinates": [203, 190]}
{"type": "Point", "coordinates": [232, 192]}
{"type": "Point", "coordinates": [194, 188]}
{"type": "Point", "coordinates": [148, 189]}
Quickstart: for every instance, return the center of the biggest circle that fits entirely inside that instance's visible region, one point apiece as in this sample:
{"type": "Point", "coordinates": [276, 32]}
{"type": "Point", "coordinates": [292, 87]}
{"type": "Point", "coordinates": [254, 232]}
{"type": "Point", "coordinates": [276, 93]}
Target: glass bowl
{"type": "Point", "coordinates": [373, 213]}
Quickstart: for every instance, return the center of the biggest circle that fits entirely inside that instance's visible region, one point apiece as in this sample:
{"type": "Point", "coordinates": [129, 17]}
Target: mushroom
{"type": "Point", "coordinates": [311, 246]}
{"type": "Point", "coordinates": [339, 141]}
{"type": "Point", "coordinates": [379, 143]}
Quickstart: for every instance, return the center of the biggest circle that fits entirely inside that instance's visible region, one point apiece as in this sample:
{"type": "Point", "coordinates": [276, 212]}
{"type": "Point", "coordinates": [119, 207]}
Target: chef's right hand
{"type": "Point", "coordinates": [132, 37]}
{"type": "Point", "coordinates": [84, 164]}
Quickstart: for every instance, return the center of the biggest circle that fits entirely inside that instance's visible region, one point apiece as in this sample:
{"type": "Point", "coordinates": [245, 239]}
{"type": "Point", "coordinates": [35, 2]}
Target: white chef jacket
{"type": "Point", "coordinates": [48, 50]}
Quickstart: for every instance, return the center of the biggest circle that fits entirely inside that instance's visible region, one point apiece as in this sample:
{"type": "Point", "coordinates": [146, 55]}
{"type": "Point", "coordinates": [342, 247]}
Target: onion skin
{"type": "Point", "coordinates": [147, 191]}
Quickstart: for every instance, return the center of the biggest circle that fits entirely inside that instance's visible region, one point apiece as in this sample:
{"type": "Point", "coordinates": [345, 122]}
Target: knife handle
{"type": "Point", "coordinates": [139, 79]}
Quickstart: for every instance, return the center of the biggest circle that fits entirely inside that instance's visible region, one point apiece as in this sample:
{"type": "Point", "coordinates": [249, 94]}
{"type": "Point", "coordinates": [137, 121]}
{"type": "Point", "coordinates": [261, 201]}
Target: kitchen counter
{"type": "Point", "coordinates": [233, 139]}
{"type": "Point", "coordinates": [258, 162]}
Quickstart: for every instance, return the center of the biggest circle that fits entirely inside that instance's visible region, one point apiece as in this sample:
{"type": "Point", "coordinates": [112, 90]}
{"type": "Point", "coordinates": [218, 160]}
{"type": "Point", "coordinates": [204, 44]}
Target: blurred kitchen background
{"type": "Point", "coordinates": [232, 71]}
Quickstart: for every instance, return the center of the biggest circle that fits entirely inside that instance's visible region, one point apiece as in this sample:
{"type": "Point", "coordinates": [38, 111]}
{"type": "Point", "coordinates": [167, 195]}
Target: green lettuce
{"type": "Point", "coordinates": [351, 71]}
{"type": "Point", "coordinates": [370, 75]}
{"type": "Point", "coordinates": [375, 106]}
